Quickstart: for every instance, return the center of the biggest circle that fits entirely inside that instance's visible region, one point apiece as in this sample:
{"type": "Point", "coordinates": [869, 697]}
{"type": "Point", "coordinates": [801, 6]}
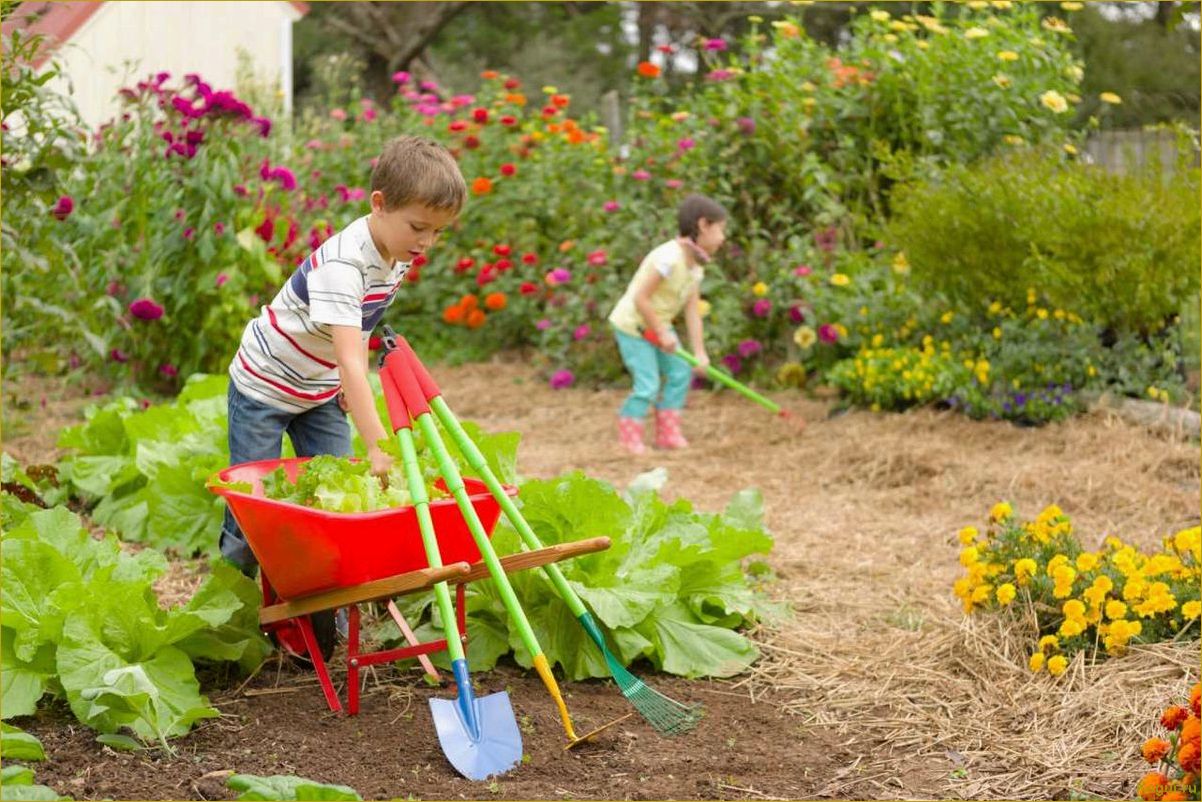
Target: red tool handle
{"type": "Point", "coordinates": [429, 387]}
{"type": "Point", "coordinates": [402, 393]}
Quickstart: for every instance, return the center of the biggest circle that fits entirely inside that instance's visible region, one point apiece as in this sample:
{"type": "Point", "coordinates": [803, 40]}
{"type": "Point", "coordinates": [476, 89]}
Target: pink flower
{"type": "Point", "coordinates": [222, 278]}
{"type": "Point", "coordinates": [338, 114]}
{"type": "Point", "coordinates": [716, 45]}
{"type": "Point", "coordinates": [761, 308]}
{"type": "Point", "coordinates": [559, 275]}
{"type": "Point", "coordinates": [719, 75]}
{"type": "Point", "coordinates": [746, 125]}
{"type": "Point", "coordinates": [240, 190]}
{"type": "Point", "coordinates": [640, 175]}
{"type": "Point", "coordinates": [561, 379]}
{"type": "Point", "coordinates": [674, 183]}
{"type": "Point", "coordinates": [828, 333]}
{"type": "Point", "coordinates": [428, 86]}
{"type": "Point", "coordinates": [802, 270]}
{"type": "Point", "coordinates": [611, 206]}
{"type": "Point", "coordinates": [582, 331]}
{"type": "Point", "coordinates": [400, 78]}
{"type": "Point", "coordinates": [826, 239]}
{"type": "Point", "coordinates": [369, 114]}
{"type": "Point", "coordinates": [688, 143]}
{"type": "Point", "coordinates": [733, 363]}
{"type": "Point", "coordinates": [285, 177]}
{"type": "Point", "coordinates": [219, 228]}
{"type": "Point", "coordinates": [189, 232]}
{"type": "Point", "coordinates": [357, 194]}
{"type": "Point", "coordinates": [749, 348]}
{"type": "Point", "coordinates": [145, 309]}
{"type": "Point", "coordinates": [597, 257]}
{"type": "Point", "coordinates": [543, 325]}
{"type": "Point", "coordinates": [168, 370]}
{"type": "Point", "coordinates": [117, 355]}
{"type": "Point", "coordinates": [63, 207]}
{"type": "Point", "coordinates": [263, 124]}
{"type": "Point", "coordinates": [180, 214]}
{"type": "Point", "coordinates": [796, 314]}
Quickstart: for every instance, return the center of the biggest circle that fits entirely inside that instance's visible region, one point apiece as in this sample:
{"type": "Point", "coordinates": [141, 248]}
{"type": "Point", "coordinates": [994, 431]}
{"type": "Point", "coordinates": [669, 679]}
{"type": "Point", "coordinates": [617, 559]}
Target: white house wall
{"type": "Point", "coordinates": [176, 37]}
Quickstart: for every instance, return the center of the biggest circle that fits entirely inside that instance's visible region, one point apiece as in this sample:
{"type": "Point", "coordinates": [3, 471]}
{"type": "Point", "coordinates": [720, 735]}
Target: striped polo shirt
{"type": "Point", "coordinates": [286, 359]}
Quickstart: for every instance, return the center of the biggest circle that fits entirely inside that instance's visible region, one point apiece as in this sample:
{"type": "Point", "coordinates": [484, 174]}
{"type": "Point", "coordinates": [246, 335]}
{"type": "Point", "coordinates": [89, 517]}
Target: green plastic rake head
{"type": "Point", "coordinates": [667, 716]}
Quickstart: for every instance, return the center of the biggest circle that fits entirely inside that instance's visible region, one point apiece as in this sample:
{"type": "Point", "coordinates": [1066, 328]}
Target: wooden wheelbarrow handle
{"type": "Point", "coordinates": [525, 560]}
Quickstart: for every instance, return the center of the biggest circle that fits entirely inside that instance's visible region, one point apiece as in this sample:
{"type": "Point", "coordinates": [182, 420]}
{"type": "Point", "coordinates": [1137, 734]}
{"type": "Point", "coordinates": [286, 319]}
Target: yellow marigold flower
{"type": "Point", "coordinates": [1006, 593]}
{"type": "Point", "coordinates": [1189, 540]}
{"type": "Point", "coordinates": [978, 5]}
{"type": "Point", "coordinates": [1055, 101]}
{"type": "Point", "coordinates": [1056, 25]}
{"type": "Point", "coordinates": [980, 594]}
{"type": "Point", "coordinates": [1013, 139]}
{"type": "Point", "coordinates": [804, 337]}
{"type": "Point", "coordinates": [1087, 561]}
{"type": "Point", "coordinates": [1134, 589]}
{"type": "Point", "coordinates": [967, 535]}
{"type": "Point", "coordinates": [1111, 98]}
{"type": "Point", "coordinates": [1071, 5]}
{"type": "Point", "coordinates": [703, 307]}
{"type": "Point", "coordinates": [1104, 583]}
{"type": "Point", "coordinates": [840, 280]}
{"type": "Point", "coordinates": [760, 289]}
{"type": "Point", "coordinates": [786, 29]}
{"type": "Point", "coordinates": [1001, 511]}
{"type": "Point", "coordinates": [1070, 148]}
{"type": "Point", "coordinates": [1071, 627]}
{"type": "Point", "coordinates": [1002, 5]}
{"type": "Point", "coordinates": [1073, 609]}
{"type": "Point", "coordinates": [879, 15]}
{"type": "Point", "coordinates": [1057, 665]}
{"type": "Point", "coordinates": [1007, 55]}
{"type": "Point", "coordinates": [962, 587]}
{"type": "Point", "coordinates": [969, 555]}
{"type": "Point", "coordinates": [900, 263]}
{"type": "Point", "coordinates": [976, 33]}
{"type": "Point", "coordinates": [1024, 569]}
{"type": "Point", "coordinates": [1002, 81]}
{"type": "Point", "coordinates": [1064, 575]}
{"type": "Point", "coordinates": [1191, 609]}
{"type": "Point", "coordinates": [1055, 563]}
{"type": "Point", "coordinates": [1036, 662]}
{"type": "Point", "coordinates": [1115, 609]}
{"type": "Point", "coordinates": [1048, 642]}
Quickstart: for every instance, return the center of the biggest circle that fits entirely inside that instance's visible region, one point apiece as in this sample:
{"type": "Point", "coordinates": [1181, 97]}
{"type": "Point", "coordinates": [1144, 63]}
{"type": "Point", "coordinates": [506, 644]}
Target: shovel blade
{"type": "Point", "coordinates": [497, 748]}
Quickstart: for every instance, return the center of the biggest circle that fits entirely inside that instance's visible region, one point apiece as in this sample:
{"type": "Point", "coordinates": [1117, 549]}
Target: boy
{"type": "Point", "coordinates": [303, 363]}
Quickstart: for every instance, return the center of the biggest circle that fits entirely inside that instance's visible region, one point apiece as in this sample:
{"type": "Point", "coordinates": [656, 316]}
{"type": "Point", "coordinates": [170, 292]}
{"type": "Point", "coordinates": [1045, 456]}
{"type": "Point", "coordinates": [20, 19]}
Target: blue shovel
{"type": "Point", "coordinates": [479, 736]}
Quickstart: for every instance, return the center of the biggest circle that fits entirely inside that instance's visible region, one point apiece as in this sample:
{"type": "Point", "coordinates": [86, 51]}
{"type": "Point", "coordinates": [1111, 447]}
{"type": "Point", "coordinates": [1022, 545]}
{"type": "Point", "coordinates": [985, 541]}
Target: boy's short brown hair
{"type": "Point", "coordinates": [695, 207]}
{"type": "Point", "coordinates": [413, 169]}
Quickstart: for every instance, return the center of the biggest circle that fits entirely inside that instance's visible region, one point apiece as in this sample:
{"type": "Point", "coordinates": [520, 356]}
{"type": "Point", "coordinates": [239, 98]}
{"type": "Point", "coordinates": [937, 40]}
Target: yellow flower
{"type": "Point", "coordinates": [890, 37]}
{"type": "Point", "coordinates": [1071, 5]}
{"type": "Point", "coordinates": [967, 535]}
{"type": "Point", "coordinates": [1002, 80]}
{"type": "Point", "coordinates": [1007, 55]}
{"type": "Point", "coordinates": [1005, 593]}
{"type": "Point", "coordinates": [1055, 101]}
{"type": "Point", "coordinates": [1013, 139]}
{"type": "Point", "coordinates": [976, 33]}
{"type": "Point", "coordinates": [1189, 540]}
{"type": "Point", "coordinates": [1070, 148]}
{"type": "Point", "coordinates": [879, 15]}
{"type": "Point", "coordinates": [1056, 25]}
{"type": "Point", "coordinates": [1024, 569]}
{"type": "Point", "coordinates": [1073, 609]}
{"type": "Point", "coordinates": [1048, 642]}
{"type": "Point", "coordinates": [980, 594]}
{"type": "Point", "coordinates": [786, 29]}
{"type": "Point", "coordinates": [977, 5]}
{"type": "Point", "coordinates": [1111, 98]}
{"type": "Point", "coordinates": [922, 44]}
{"type": "Point", "coordinates": [1000, 512]}
{"type": "Point", "coordinates": [1115, 609]}
{"type": "Point", "coordinates": [804, 337]}
{"type": "Point", "coordinates": [703, 307]}
{"type": "Point", "coordinates": [947, 317]}
{"type": "Point", "coordinates": [840, 280]}
{"type": "Point", "coordinates": [900, 263]}
{"type": "Point", "coordinates": [1071, 627]}
{"type": "Point", "coordinates": [1056, 665]}
{"type": "Point", "coordinates": [1191, 609]}
{"type": "Point", "coordinates": [1002, 5]}
{"type": "Point", "coordinates": [1075, 72]}
{"type": "Point", "coordinates": [760, 289]}
{"type": "Point", "coordinates": [1036, 662]}
{"type": "Point", "coordinates": [997, 333]}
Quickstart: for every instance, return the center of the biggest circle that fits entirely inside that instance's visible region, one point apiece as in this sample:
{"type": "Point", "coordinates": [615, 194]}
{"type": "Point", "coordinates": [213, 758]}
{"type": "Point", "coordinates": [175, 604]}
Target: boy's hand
{"type": "Point", "coordinates": [667, 340]}
{"type": "Point", "coordinates": [380, 464]}
{"type": "Point", "coordinates": [703, 362]}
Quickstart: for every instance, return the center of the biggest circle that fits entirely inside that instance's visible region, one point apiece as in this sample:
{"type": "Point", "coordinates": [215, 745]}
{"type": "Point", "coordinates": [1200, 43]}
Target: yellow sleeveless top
{"type": "Point", "coordinates": [679, 281]}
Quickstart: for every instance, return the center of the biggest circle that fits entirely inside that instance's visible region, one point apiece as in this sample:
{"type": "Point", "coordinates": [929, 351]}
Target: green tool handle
{"type": "Point", "coordinates": [719, 376]}
{"type": "Point", "coordinates": [480, 465]}
{"type": "Point", "coordinates": [421, 502]}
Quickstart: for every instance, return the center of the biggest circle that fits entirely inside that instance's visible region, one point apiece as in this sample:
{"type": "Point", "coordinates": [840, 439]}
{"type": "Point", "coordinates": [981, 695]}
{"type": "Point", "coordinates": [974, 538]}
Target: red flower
{"type": "Point", "coordinates": [471, 142]}
{"type": "Point", "coordinates": [374, 343]}
{"type": "Point", "coordinates": [528, 288]}
{"type": "Point", "coordinates": [508, 120]}
{"type": "Point", "coordinates": [458, 125]}
{"type": "Point", "coordinates": [502, 250]}
{"type": "Point", "coordinates": [419, 260]}
{"type": "Point", "coordinates": [63, 207]}
{"type": "Point", "coordinates": [503, 264]}
{"type": "Point", "coordinates": [648, 70]}
{"type": "Point", "coordinates": [561, 100]}
{"type": "Point", "coordinates": [465, 264]}
{"type": "Point", "coordinates": [475, 319]}
{"type": "Point", "coordinates": [508, 169]}
{"type": "Point", "coordinates": [530, 258]}
{"type": "Point", "coordinates": [480, 115]}
{"type": "Point", "coordinates": [482, 186]}
{"type": "Point", "coordinates": [512, 83]}
{"type": "Point", "coordinates": [145, 309]}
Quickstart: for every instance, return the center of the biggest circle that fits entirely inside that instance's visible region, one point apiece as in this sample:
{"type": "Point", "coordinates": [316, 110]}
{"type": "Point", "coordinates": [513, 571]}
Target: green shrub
{"type": "Point", "coordinates": [1119, 250]}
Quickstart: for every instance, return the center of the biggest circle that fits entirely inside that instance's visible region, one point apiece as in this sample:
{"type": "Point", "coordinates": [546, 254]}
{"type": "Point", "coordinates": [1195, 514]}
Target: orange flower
{"type": "Point", "coordinates": [516, 98]}
{"type": "Point", "coordinates": [1195, 695]}
{"type": "Point", "coordinates": [475, 319]}
{"type": "Point", "coordinates": [453, 315]}
{"type": "Point", "coordinates": [489, 75]}
{"type": "Point", "coordinates": [482, 186]}
{"type": "Point", "coordinates": [1173, 717]}
{"type": "Point", "coordinates": [553, 128]}
{"type": "Point", "coordinates": [1154, 750]}
{"type": "Point", "coordinates": [1174, 796]}
{"type": "Point", "coordinates": [576, 137]}
{"type": "Point", "coordinates": [648, 70]}
{"type": "Point", "coordinates": [1189, 731]}
{"type": "Point", "coordinates": [496, 301]}
{"type": "Point", "coordinates": [561, 100]}
{"type": "Point", "coordinates": [1152, 786]}
{"type": "Point", "coordinates": [1188, 756]}
{"type": "Point", "coordinates": [468, 302]}
{"type": "Point", "coordinates": [566, 245]}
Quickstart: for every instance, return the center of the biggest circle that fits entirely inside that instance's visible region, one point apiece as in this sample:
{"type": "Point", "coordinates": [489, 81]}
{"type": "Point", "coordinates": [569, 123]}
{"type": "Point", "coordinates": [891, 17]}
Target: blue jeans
{"type": "Point", "coordinates": [256, 432]}
{"type": "Point", "coordinates": [650, 368]}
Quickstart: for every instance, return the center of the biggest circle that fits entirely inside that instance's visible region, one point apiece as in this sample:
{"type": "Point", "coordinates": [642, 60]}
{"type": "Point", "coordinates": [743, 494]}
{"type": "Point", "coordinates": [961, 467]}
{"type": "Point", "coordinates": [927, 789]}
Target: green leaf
{"type": "Point", "coordinates": [33, 793]}
{"type": "Point", "coordinates": [23, 682]}
{"type": "Point", "coordinates": [687, 647]}
{"type": "Point", "coordinates": [122, 743]}
{"type": "Point", "coordinates": [15, 775]}
{"type": "Point", "coordinates": [100, 475]}
{"type": "Point", "coordinates": [236, 638]}
{"type": "Point", "coordinates": [16, 744]}
{"type": "Point", "coordinates": [284, 787]}
{"type": "Point", "coordinates": [31, 573]}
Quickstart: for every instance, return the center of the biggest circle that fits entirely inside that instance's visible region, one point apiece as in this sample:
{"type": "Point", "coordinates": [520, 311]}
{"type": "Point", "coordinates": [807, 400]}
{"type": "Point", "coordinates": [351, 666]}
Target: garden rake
{"type": "Point", "coordinates": [666, 715]}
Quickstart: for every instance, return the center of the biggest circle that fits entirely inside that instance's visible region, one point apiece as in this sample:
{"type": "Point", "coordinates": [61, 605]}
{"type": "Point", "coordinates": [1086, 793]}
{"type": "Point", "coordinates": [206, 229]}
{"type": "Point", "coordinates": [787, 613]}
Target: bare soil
{"type": "Point", "coordinates": [876, 687]}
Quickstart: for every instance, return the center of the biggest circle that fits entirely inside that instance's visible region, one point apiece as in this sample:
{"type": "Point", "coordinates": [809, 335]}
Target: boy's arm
{"type": "Point", "coordinates": [692, 319]}
{"type": "Point", "coordinates": [351, 356]}
{"type": "Point", "coordinates": [642, 302]}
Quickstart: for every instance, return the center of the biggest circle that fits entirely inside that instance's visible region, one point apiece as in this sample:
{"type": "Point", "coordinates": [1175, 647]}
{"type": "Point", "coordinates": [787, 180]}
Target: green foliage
{"type": "Point", "coordinates": [1119, 250]}
{"type": "Point", "coordinates": [340, 485]}
{"type": "Point", "coordinates": [285, 787]}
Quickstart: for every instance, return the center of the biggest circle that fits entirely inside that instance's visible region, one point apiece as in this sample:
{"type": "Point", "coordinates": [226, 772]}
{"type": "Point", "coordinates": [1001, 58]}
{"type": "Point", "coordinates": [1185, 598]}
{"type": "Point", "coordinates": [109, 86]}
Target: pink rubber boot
{"type": "Point", "coordinates": [667, 429]}
{"type": "Point", "coordinates": [630, 435]}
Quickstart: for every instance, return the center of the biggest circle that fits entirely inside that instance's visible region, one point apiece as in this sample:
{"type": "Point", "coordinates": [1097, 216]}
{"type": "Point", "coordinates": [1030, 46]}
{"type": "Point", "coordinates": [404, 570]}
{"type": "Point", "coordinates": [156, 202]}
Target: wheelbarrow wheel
{"type": "Point", "coordinates": [290, 641]}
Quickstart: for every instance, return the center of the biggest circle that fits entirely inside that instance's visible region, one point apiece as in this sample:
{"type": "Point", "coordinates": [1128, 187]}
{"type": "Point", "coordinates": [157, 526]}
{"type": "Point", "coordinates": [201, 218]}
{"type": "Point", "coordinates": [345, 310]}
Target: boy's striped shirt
{"type": "Point", "coordinates": [286, 358]}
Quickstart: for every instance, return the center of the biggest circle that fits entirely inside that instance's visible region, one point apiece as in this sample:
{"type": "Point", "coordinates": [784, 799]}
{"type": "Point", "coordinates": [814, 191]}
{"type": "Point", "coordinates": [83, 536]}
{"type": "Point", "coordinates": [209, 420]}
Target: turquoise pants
{"type": "Point", "coordinates": [650, 368]}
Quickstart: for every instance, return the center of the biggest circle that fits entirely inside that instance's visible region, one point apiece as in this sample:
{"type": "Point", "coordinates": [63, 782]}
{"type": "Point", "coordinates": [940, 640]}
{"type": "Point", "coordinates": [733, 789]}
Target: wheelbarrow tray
{"type": "Point", "coordinates": [304, 550]}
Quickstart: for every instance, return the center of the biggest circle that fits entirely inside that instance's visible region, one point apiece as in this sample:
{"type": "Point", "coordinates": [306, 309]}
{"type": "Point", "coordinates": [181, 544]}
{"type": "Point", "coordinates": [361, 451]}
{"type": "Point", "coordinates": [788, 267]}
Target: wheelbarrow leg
{"type": "Point", "coordinates": [319, 663]}
{"type": "Point", "coordinates": [411, 639]}
{"type": "Point", "coordinates": [352, 661]}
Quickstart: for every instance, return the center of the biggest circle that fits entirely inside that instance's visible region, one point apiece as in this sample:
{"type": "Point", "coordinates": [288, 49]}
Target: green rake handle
{"type": "Point", "coordinates": [720, 377]}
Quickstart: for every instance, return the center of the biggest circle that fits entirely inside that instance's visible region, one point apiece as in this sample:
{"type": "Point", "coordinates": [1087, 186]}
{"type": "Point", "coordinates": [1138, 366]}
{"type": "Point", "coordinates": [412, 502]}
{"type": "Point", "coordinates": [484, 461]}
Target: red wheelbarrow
{"type": "Point", "coordinates": [313, 561]}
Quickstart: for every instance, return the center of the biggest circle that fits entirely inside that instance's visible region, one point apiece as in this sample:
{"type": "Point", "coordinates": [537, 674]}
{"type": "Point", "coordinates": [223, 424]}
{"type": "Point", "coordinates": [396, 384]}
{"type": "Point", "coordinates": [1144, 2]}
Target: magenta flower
{"type": "Point", "coordinates": [560, 275]}
{"type": "Point", "coordinates": [400, 78]}
{"type": "Point", "coordinates": [145, 309]}
{"type": "Point", "coordinates": [828, 333]}
{"type": "Point", "coordinates": [338, 114]}
{"type": "Point", "coordinates": [826, 239]}
{"type": "Point", "coordinates": [114, 288]}
{"type": "Point", "coordinates": [428, 86]}
{"type": "Point", "coordinates": [168, 370]}
{"type": "Point", "coordinates": [640, 175]}
{"type": "Point", "coordinates": [761, 308]}
{"type": "Point", "coordinates": [219, 228]}
{"type": "Point", "coordinates": [543, 325]}
{"type": "Point", "coordinates": [222, 278]}
{"type": "Point", "coordinates": [802, 270]}
{"type": "Point", "coordinates": [263, 124]}
{"type": "Point", "coordinates": [284, 177]}
{"type": "Point", "coordinates": [357, 194]}
{"type": "Point", "coordinates": [611, 206]}
{"type": "Point", "coordinates": [796, 314]}
{"type": "Point", "coordinates": [688, 143]}
{"type": "Point", "coordinates": [240, 190]}
{"type": "Point", "coordinates": [674, 183]}
{"type": "Point", "coordinates": [597, 257]}
{"type": "Point", "coordinates": [189, 232]}
{"type": "Point", "coordinates": [117, 355]}
{"type": "Point", "coordinates": [63, 207]}
{"type": "Point", "coordinates": [561, 379]}
{"type": "Point", "coordinates": [746, 125]}
{"type": "Point", "coordinates": [732, 362]}
{"type": "Point", "coordinates": [719, 75]}
{"type": "Point", "coordinates": [369, 114]}
{"type": "Point", "coordinates": [582, 331]}
{"type": "Point", "coordinates": [716, 45]}
{"type": "Point", "coordinates": [749, 348]}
